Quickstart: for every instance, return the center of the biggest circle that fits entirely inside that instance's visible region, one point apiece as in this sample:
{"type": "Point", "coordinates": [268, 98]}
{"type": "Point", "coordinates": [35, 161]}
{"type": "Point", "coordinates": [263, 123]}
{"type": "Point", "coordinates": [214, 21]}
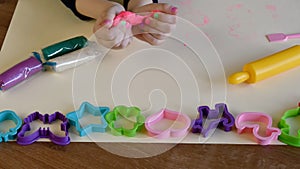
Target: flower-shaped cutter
{"type": "Point", "coordinates": [250, 120]}
{"type": "Point", "coordinates": [285, 136]}
{"type": "Point", "coordinates": [222, 118]}
{"type": "Point", "coordinates": [44, 132]}
{"type": "Point", "coordinates": [125, 112]}
{"type": "Point", "coordinates": [95, 111]}
{"type": "Point", "coordinates": [169, 115]}
{"type": "Point", "coordinates": [12, 132]}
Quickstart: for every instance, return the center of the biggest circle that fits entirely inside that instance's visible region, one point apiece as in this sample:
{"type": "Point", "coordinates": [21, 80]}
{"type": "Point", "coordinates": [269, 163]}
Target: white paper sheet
{"type": "Point", "coordinates": [182, 74]}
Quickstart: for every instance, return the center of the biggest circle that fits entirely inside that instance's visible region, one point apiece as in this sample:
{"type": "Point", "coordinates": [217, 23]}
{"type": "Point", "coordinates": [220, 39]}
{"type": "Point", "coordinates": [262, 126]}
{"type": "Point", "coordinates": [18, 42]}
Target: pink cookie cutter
{"type": "Point", "coordinates": [152, 120]}
{"type": "Point", "coordinates": [250, 122]}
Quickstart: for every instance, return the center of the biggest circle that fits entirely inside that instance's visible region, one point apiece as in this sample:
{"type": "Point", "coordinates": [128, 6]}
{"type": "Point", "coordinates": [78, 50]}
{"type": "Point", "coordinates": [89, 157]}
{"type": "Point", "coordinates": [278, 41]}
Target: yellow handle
{"type": "Point", "coordinates": [239, 77]}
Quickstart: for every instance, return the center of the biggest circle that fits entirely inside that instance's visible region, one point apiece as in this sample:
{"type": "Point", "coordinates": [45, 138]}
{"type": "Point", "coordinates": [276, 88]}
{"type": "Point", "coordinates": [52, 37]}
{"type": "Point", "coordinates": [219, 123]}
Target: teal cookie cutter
{"type": "Point", "coordinates": [127, 113]}
{"type": "Point", "coordinates": [12, 132]}
{"type": "Point", "coordinates": [86, 107]}
{"type": "Point", "coordinates": [285, 137]}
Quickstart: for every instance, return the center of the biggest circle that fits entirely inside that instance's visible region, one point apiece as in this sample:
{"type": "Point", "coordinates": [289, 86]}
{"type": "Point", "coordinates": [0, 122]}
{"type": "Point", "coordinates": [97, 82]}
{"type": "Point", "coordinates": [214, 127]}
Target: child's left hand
{"type": "Point", "coordinates": [155, 29]}
{"type": "Point", "coordinates": [116, 37]}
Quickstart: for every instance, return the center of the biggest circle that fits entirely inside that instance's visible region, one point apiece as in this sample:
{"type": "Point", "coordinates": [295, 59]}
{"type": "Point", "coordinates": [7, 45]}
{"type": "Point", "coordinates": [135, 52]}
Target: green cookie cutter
{"type": "Point", "coordinates": [127, 113]}
{"type": "Point", "coordinates": [285, 137]}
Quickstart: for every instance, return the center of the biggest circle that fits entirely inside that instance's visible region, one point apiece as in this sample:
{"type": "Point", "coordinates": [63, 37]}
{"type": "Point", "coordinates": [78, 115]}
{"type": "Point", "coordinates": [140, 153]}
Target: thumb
{"type": "Point", "coordinates": [162, 7]}
{"type": "Point", "coordinates": [111, 14]}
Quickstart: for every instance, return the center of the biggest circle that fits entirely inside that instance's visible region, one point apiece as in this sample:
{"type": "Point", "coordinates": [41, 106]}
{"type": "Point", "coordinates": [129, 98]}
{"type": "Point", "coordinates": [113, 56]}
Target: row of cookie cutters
{"type": "Point", "coordinates": [222, 119]}
{"type": "Point", "coordinates": [108, 119]}
{"type": "Point", "coordinates": [219, 117]}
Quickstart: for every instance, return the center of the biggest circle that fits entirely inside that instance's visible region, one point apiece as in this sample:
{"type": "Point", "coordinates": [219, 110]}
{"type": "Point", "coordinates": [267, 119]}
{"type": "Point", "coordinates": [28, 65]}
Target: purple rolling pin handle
{"type": "Point", "coordinates": [20, 72]}
{"type": "Point", "coordinates": [44, 132]}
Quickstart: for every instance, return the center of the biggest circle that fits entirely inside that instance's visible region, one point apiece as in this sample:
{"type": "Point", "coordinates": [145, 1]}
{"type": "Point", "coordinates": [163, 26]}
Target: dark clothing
{"type": "Point", "coordinates": [71, 5]}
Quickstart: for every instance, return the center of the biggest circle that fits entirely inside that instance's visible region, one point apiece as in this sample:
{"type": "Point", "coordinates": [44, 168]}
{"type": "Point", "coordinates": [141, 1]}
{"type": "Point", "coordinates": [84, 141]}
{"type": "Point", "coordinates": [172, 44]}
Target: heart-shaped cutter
{"type": "Point", "coordinates": [44, 132]}
{"type": "Point", "coordinates": [126, 112]}
{"type": "Point", "coordinates": [169, 115]}
{"type": "Point", "coordinates": [246, 121]}
{"type": "Point", "coordinates": [12, 132]}
{"type": "Point", "coordinates": [285, 137]}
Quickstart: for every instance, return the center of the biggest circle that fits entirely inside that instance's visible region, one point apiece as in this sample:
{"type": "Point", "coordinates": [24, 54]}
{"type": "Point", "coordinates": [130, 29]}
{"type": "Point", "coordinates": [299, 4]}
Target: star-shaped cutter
{"type": "Point", "coordinates": [220, 117]}
{"type": "Point", "coordinates": [125, 112]}
{"type": "Point", "coordinates": [44, 132]}
{"type": "Point", "coordinates": [12, 132]}
{"type": "Point", "coordinates": [100, 112]}
{"type": "Point", "coordinates": [285, 137]}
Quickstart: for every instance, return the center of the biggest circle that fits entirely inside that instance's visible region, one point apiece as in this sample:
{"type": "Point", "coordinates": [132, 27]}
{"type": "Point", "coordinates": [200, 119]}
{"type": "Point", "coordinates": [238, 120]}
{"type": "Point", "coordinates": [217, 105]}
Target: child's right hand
{"type": "Point", "coordinates": [115, 37]}
{"type": "Point", "coordinates": [157, 28]}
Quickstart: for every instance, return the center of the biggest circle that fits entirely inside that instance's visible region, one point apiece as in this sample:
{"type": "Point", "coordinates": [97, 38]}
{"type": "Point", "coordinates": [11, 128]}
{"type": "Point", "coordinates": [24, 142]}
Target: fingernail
{"type": "Point", "coordinates": [107, 21]}
{"type": "Point", "coordinates": [147, 21]}
{"type": "Point", "coordinates": [142, 25]}
{"type": "Point", "coordinates": [174, 9]}
{"type": "Point", "coordinates": [155, 15]}
{"type": "Point", "coordinates": [123, 22]}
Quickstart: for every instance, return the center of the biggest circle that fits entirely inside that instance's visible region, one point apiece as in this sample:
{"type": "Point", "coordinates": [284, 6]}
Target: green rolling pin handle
{"type": "Point", "coordinates": [238, 78]}
{"type": "Point", "coordinates": [64, 47]}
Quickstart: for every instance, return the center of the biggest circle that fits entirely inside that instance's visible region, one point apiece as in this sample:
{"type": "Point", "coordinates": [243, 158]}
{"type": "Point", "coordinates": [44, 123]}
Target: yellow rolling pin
{"type": "Point", "coordinates": [268, 66]}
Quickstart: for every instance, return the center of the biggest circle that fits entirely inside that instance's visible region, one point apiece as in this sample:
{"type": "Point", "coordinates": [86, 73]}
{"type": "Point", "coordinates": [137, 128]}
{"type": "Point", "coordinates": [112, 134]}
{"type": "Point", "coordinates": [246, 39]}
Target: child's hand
{"type": "Point", "coordinates": [116, 37]}
{"type": "Point", "coordinates": [155, 29]}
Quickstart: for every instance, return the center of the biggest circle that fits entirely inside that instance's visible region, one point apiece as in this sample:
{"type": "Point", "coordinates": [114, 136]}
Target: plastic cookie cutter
{"type": "Point", "coordinates": [172, 131]}
{"type": "Point", "coordinates": [219, 117]}
{"type": "Point", "coordinates": [99, 112]}
{"type": "Point", "coordinates": [131, 17]}
{"type": "Point", "coordinates": [285, 136]}
{"type": "Point", "coordinates": [44, 132]}
{"type": "Point", "coordinates": [20, 72]}
{"type": "Point", "coordinates": [251, 121]}
{"type": "Point", "coordinates": [12, 132]}
{"type": "Point", "coordinates": [130, 120]}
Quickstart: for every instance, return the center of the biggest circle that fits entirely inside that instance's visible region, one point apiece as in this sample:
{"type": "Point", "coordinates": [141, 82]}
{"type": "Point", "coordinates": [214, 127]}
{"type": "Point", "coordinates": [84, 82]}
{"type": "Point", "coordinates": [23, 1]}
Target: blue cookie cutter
{"type": "Point", "coordinates": [44, 132]}
{"type": "Point", "coordinates": [222, 118]}
{"type": "Point", "coordinates": [12, 133]}
{"type": "Point", "coordinates": [88, 108]}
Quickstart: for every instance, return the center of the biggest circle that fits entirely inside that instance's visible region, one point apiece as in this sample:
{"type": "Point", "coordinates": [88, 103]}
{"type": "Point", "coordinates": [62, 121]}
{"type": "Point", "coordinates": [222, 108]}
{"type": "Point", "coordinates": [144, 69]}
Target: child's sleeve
{"type": "Point", "coordinates": [71, 4]}
{"type": "Point", "coordinates": [127, 1]}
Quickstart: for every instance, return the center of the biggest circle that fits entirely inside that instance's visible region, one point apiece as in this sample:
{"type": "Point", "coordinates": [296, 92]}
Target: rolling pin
{"type": "Point", "coordinates": [268, 66]}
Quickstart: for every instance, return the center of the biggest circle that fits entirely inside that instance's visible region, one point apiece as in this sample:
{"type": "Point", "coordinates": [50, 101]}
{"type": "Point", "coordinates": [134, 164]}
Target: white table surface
{"type": "Point", "coordinates": [182, 74]}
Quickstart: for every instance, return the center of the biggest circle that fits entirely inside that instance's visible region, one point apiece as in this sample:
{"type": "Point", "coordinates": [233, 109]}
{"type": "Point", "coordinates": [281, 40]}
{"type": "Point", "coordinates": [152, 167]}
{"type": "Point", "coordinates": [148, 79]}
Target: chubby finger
{"type": "Point", "coordinates": [158, 36]}
{"type": "Point", "coordinates": [152, 40]}
{"type": "Point", "coordinates": [124, 43]}
{"type": "Point", "coordinates": [166, 18]}
{"type": "Point", "coordinates": [159, 26]}
{"type": "Point", "coordinates": [111, 14]}
{"type": "Point", "coordinates": [107, 34]}
{"type": "Point", "coordinates": [162, 7]}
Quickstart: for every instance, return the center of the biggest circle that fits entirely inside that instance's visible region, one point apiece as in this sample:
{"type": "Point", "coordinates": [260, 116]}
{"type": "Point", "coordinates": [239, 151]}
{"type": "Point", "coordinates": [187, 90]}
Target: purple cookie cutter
{"type": "Point", "coordinates": [219, 117]}
{"type": "Point", "coordinates": [20, 72]}
{"type": "Point", "coordinates": [250, 122]}
{"type": "Point", "coordinates": [44, 132]}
